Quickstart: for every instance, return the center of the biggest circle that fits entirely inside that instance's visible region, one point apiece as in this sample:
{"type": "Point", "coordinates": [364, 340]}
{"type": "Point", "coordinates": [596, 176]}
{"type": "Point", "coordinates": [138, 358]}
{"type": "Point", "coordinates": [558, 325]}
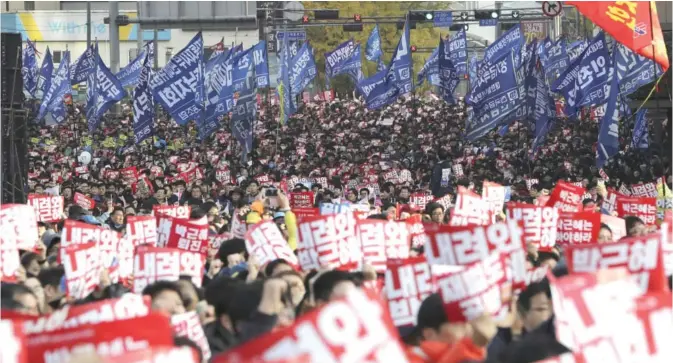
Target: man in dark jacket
{"type": "Point", "coordinates": [441, 173]}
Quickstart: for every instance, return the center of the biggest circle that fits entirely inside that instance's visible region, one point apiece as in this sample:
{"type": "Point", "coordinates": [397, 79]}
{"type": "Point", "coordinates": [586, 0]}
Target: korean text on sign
{"type": "Point", "coordinates": [18, 226]}
{"type": "Point", "coordinates": [142, 230]}
{"type": "Point", "coordinates": [328, 241]}
{"type": "Point", "coordinates": [577, 228]}
{"type": "Point", "coordinates": [266, 242]}
{"type": "Point", "coordinates": [82, 264]}
{"type": "Point", "coordinates": [470, 209]}
{"type": "Point", "coordinates": [188, 236]}
{"type": "Point", "coordinates": [47, 208]}
{"type": "Point", "coordinates": [156, 264]}
{"type": "Point", "coordinates": [644, 208]}
{"type": "Point", "coordinates": [175, 211]}
{"type": "Point", "coordinates": [566, 197]}
{"type": "Point", "coordinates": [382, 240]}
{"type": "Point", "coordinates": [539, 223]}
{"type": "Point", "coordinates": [188, 325]}
{"type": "Point", "coordinates": [407, 283]}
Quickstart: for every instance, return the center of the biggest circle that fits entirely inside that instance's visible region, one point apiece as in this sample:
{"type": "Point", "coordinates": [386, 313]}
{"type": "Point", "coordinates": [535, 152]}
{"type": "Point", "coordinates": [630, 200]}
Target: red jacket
{"type": "Point", "coordinates": [436, 352]}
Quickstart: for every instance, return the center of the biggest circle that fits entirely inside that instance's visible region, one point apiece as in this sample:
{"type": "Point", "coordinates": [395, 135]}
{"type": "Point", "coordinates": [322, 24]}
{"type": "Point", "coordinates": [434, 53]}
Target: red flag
{"type": "Point", "coordinates": [632, 23]}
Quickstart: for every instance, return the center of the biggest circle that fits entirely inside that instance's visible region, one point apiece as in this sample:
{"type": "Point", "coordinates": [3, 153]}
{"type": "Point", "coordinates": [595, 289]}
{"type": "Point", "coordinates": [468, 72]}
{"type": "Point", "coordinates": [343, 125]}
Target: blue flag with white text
{"type": "Point", "coordinates": [608, 133]}
{"type": "Point", "coordinates": [457, 45]}
{"type": "Point", "coordinates": [373, 48]}
{"type": "Point", "coordinates": [341, 59]}
{"type": "Point", "coordinates": [303, 69]}
{"type": "Point", "coordinates": [633, 70]}
{"type": "Point", "coordinates": [178, 87]}
{"type": "Point", "coordinates": [400, 71]}
{"type": "Point", "coordinates": [380, 65]}
{"type": "Point", "coordinates": [130, 74]}
{"type": "Point", "coordinates": [511, 41]}
{"type": "Point", "coordinates": [575, 49]}
{"type": "Point", "coordinates": [595, 72]}
{"type": "Point", "coordinates": [556, 59]}
{"type": "Point", "coordinates": [259, 56]}
{"type": "Point", "coordinates": [641, 135]}
{"type": "Point", "coordinates": [29, 68]}
{"type": "Point", "coordinates": [429, 68]}
{"type": "Point", "coordinates": [60, 87]}
{"type": "Point", "coordinates": [285, 99]}
{"type": "Point", "coordinates": [474, 66]}
{"type": "Point", "coordinates": [448, 75]}
{"type": "Point", "coordinates": [106, 90]}
{"type": "Point", "coordinates": [44, 79]}
{"type": "Point", "coordinates": [143, 104]}
{"type": "Point", "coordinates": [84, 65]}
{"type": "Point", "coordinates": [378, 90]}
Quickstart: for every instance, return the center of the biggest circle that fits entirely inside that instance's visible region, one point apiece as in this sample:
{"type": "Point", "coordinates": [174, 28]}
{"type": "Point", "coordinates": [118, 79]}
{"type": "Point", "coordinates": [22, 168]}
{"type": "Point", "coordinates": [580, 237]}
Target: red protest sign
{"type": "Point", "coordinates": [266, 242]}
{"type": "Point", "coordinates": [301, 199]}
{"type": "Point", "coordinates": [84, 201]}
{"type": "Point", "coordinates": [644, 190]}
{"type": "Point", "coordinates": [141, 230]}
{"type": "Point", "coordinates": [577, 228]}
{"type": "Point", "coordinates": [407, 283]}
{"type": "Point", "coordinates": [356, 328]}
{"type": "Point", "coordinates": [382, 240]}
{"type": "Point", "coordinates": [188, 236]}
{"type": "Point", "coordinates": [175, 211]}
{"type": "Point", "coordinates": [82, 264]}
{"type": "Point", "coordinates": [494, 196]}
{"type": "Point", "coordinates": [109, 339]}
{"type": "Point", "coordinates": [223, 175]}
{"type": "Point", "coordinates": [75, 232]}
{"type": "Point", "coordinates": [155, 264]}
{"type": "Point", "coordinates": [328, 241]}
{"type": "Point", "coordinates": [610, 201]}
{"type": "Point", "coordinates": [130, 174]}
{"type": "Point", "coordinates": [111, 174]}
{"type": "Point", "coordinates": [479, 288]}
{"type": "Point", "coordinates": [18, 226]}
{"type": "Point", "coordinates": [642, 256]}
{"type": "Point", "coordinates": [302, 213]}
{"type": "Point", "coordinates": [417, 234]}
{"type": "Point", "coordinates": [47, 208]}
{"type": "Point", "coordinates": [470, 209]}
{"type": "Point", "coordinates": [458, 245]}
{"type": "Point", "coordinates": [142, 186]}
{"type": "Point", "coordinates": [642, 207]}
{"type": "Point", "coordinates": [129, 306]}
{"type": "Point", "coordinates": [566, 197]}
{"type": "Point", "coordinates": [420, 199]}
{"type": "Point", "coordinates": [188, 325]}
{"type": "Point", "coordinates": [191, 176]}
{"type": "Point", "coordinates": [13, 343]}
{"type": "Point", "coordinates": [539, 223]}
{"type": "Point", "coordinates": [161, 354]}
{"type": "Point", "coordinates": [9, 260]}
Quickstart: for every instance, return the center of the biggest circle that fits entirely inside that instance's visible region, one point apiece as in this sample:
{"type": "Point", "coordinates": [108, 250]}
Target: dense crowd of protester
{"type": "Point", "coordinates": [344, 151]}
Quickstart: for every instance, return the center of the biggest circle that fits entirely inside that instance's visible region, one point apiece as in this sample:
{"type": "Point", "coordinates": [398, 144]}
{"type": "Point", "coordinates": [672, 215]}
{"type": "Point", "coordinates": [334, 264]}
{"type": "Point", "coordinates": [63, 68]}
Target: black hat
{"type": "Point", "coordinates": [431, 314]}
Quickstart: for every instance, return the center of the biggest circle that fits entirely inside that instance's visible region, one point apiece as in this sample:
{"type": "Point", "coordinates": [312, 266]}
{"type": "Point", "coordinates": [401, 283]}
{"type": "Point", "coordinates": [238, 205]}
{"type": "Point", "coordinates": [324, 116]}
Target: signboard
{"type": "Point", "coordinates": [292, 35]}
{"type": "Point", "coordinates": [552, 8]}
{"type": "Point", "coordinates": [488, 22]}
{"type": "Point", "coordinates": [53, 26]}
{"type": "Point", "coordinates": [534, 30]}
{"type": "Point", "coordinates": [443, 18]}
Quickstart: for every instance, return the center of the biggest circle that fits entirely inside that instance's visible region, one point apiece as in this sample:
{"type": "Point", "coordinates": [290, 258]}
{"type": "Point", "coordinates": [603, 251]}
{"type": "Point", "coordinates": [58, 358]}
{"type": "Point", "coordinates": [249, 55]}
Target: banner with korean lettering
{"type": "Point", "coordinates": [400, 71]}
{"type": "Point", "coordinates": [448, 76]}
{"type": "Point", "coordinates": [303, 69]}
{"type": "Point", "coordinates": [141, 230]}
{"type": "Point", "coordinates": [378, 91]}
{"type": "Point", "coordinates": [328, 241]}
{"type": "Point", "coordinates": [479, 288]}
{"type": "Point", "coordinates": [354, 328]}
{"type": "Point", "coordinates": [633, 70]}
{"type": "Point", "coordinates": [18, 226]}
{"type": "Point", "coordinates": [266, 242]}
{"type": "Point", "coordinates": [494, 195]}
{"type": "Point", "coordinates": [175, 211]}
{"type": "Point", "coordinates": [596, 70]}
{"type": "Point", "coordinates": [608, 132]}
{"type": "Point", "coordinates": [644, 208]}
{"type": "Point", "coordinates": [45, 76]}
{"type": "Point", "coordinates": [178, 87]}
{"type": "Point", "coordinates": [566, 197]}
{"type": "Point", "coordinates": [143, 103]}
{"type": "Point", "coordinates": [576, 48]}
{"type": "Point", "coordinates": [261, 64]}
{"type": "Point", "coordinates": [103, 91]}
{"type": "Point", "coordinates": [129, 75]}
{"type": "Point", "coordinates": [407, 283]}
{"type": "Point", "coordinates": [47, 208]}
{"type": "Point", "coordinates": [539, 223]}
{"type": "Point", "coordinates": [29, 68]}
{"type": "Point", "coordinates": [186, 235]}
{"type": "Point", "coordinates": [188, 325]}
{"type": "Point", "coordinates": [641, 256]}
{"type": "Point", "coordinates": [10, 261]}
{"type": "Point", "coordinates": [449, 245]}
{"type": "Point", "coordinates": [641, 134]}
{"type": "Point", "coordinates": [457, 45]}
{"type": "Point", "coordinates": [373, 50]}
{"type": "Point", "coordinates": [578, 228]}
{"type": "Point", "coordinates": [429, 68]}
{"type": "Point", "coordinates": [510, 42]}
{"type": "Point", "coordinates": [108, 241]}
{"type": "Point", "coordinates": [470, 209]}
{"type": "Point", "coordinates": [82, 265]}
{"type": "Point", "coordinates": [165, 264]}
{"type": "Point", "coordinates": [555, 58]}
{"type": "Point", "coordinates": [53, 100]}
{"type": "Point", "coordinates": [345, 58]}
{"type": "Point", "coordinates": [382, 240]}
{"type": "Point", "coordinates": [301, 199]}
{"type": "Point", "coordinates": [85, 64]}
{"type": "Point", "coordinates": [84, 201]}
{"type": "Point", "coordinates": [109, 340]}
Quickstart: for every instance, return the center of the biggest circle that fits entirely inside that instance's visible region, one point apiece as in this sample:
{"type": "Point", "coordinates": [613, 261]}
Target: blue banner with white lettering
{"type": "Point", "coordinates": [83, 65]}
{"type": "Point", "coordinates": [303, 69]}
{"type": "Point", "coordinates": [259, 56]}
{"type": "Point", "coordinates": [29, 68]}
{"type": "Point", "coordinates": [219, 90]}
{"type": "Point", "coordinates": [474, 66]}
{"type": "Point", "coordinates": [380, 66]}
{"type": "Point", "coordinates": [400, 70]}
{"type": "Point", "coordinates": [284, 88]}
{"type": "Point", "coordinates": [244, 111]}
{"type": "Point", "coordinates": [634, 70]}
{"type": "Point", "coordinates": [543, 109]}
{"type": "Point", "coordinates": [511, 41]}
{"type": "Point", "coordinates": [556, 59]}
{"type": "Point", "coordinates": [242, 130]}
{"type": "Point", "coordinates": [457, 45]}
{"type": "Point", "coordinates": [641, 135]}
{"type": "Point", "coordinates": [178, 87]}
{"type": "Point", "coordinates": [608, 133]}
{"type": "Point", "coordinates": [60, 87]}
{"type": "Point", "coordinates": [378, 90]}
{"type": "Point", "coordinates": [575, 49]}
{"type": "Point", "coordinates": [592, 82]}
{"type": "Point", "coordinates": [130, 74]}
{"type": "Point", "coordinates": [44, 80]}
{"type": "Point", "coordinates": [542, 48]}
{"type": "Point", "coordinates": [103, 91]}
{"type": "Point", "coordinates": [373, 48]}
{"type": "Point", "coordinates": [429, 68]}
{"type": "Point", "coordinates": [143, 104]}
{"type": "Point", "coordinates": [335, 60]}
{"type": "Point", "coordinates": [493, 97]}
{"type": "Point", "coordinates": [448, 75]}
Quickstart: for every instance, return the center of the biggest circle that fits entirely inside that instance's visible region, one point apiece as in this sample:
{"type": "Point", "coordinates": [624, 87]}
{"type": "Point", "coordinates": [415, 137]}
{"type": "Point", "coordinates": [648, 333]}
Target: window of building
{"type": "Point", "coordinates": [29, 5]}
{"type": "Point", "coordinates": [56, 56]}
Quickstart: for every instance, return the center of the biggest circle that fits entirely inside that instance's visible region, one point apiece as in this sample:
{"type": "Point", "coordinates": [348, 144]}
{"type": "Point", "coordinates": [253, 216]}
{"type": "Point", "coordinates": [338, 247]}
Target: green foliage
{"type": "Point", "coordinates": [325, 39]}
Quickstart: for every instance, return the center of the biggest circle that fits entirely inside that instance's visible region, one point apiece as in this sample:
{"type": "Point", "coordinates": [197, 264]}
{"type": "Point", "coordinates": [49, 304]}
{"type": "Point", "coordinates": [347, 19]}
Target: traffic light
{"type": "Point", "coordinates": [486, 14]}
{"type": "Point", "coordinates": [357, 18]}
{"type": "Point", "coordinates": [305, 19]}
{"type": "Point", "coordinates": [352, 27]}
{"type": "Point", "coordinates": [326, 14]}
{"type": "Point", "coordinates": [421, 16]}
{"type": "Point", "coordinates": [413, 49]}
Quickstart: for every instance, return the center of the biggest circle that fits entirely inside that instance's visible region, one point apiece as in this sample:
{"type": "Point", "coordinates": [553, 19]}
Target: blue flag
{"type": "Point", "coordinates": [543, 47]}
{"type": "Point", "coordinates": [511, 41]}
{"type": "Point", "coordinates": [429, 68]}
{"type": "Point", "coordinates": [303, 69]}
{"type": "Point", "coordinates": [242, 130]}
{"type": "Point", "coordinates": [641, 139]}
{"type": "Point", "coordinates": [60, 86]}
{"type": "Point", "coordinates": [378, 90]}
{"type": "Point", "coordinates": [474, 66]}
{"type": "Point", "coordinates": [219, 92]}
{"type": "Point", "coordinates": [556, 59]}
{"type": "Point", "coordinates": [103, 91]}
{"type": "Point", "coordinates": [217, 49]}
{"type": "Point", "coordinates": [544, 110]}
{"type": "Point", "coordinates": [84, 65]}
{"type": "Point", "coordinates": [634, 70]}
{"type": "Point", "coordinates": [494, 96]}
{"type": "Point", "coordinates": [380, 66]}
{"type": "Point", "coordinates": [143, 104]}
{"type": "Point", "coordinates": [29, 68]}
{"type": "Point", "coordinates": [373, 50]}
{"type": "Point", "coordinates": [44, 80]}
{"type": "Point", "coordinates": [608, 133]}
{"type": "Point", "coordinates": [178, 87]}
{"type": "Point", "coordinates": [130, 74]}
{"type": "Point", "coordinates": [575, 49]}
{"type": "Point", "coordinates": [345, 58]}
{"type": "Point", "coordinates": [592, 82]}
{"type": "Point", "coordinates": [400, 71]}
{"type": "Point", "coordinates": [448, 75]}
{"type": "Point", "coordinates": [259, 56]}
{"type": "Point", "coordinates": [284, 88]}
{"type": "Point", "coordinates": [458, 52]}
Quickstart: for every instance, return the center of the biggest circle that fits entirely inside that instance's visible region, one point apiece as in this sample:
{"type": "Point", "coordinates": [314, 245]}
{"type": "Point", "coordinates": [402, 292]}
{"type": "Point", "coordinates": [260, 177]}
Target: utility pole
{"type": "Point", "coordinates": [114, 37]}
{"type": "Point", "coordinates": [156, 49]}
{"type": "Point", "coordinates": [88, 24]}
{"type": "Point", "coordinates": [139, 33]}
